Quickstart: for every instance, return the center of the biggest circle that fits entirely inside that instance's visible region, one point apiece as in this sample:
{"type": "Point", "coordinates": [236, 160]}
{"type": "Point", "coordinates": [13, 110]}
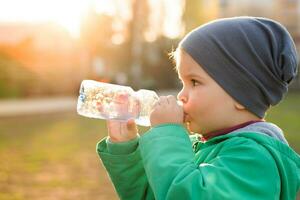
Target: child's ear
{"type": "Point", "coordinates": [239, 106]}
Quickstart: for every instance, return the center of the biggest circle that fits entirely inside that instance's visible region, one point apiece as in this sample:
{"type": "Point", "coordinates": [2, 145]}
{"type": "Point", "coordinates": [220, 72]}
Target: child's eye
{"type": "Point", "coordinates": [194, 82]}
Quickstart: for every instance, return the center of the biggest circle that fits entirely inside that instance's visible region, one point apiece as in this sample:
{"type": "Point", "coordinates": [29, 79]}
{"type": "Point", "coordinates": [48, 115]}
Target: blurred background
{"type": "Point", "coordinates": [47, 47]}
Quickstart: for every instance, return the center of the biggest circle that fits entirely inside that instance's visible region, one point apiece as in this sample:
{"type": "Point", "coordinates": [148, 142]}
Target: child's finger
{"type": "Point", "coordinates": [132, 127]}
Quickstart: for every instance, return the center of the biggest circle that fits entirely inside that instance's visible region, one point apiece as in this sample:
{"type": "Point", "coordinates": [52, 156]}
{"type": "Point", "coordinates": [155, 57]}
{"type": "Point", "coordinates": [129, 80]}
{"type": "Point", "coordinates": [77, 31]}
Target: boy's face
{"type": "Point", "coordinates": [206, 105]}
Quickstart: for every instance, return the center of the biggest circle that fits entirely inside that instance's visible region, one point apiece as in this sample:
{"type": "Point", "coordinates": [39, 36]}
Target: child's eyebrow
{"type": "Point", "coordinates": [194, 75]}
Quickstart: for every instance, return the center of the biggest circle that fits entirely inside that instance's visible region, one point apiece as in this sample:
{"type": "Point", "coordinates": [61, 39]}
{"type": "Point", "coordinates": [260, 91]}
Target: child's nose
{"type": "Point", "coordinates": [182, 97]}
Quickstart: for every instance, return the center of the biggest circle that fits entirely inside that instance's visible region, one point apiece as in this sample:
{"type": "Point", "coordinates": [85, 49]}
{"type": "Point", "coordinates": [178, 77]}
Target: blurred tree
{"type": "Point", "coordinates": [120, 48]}
{"type": "Point", "coordinates": [137, 26]}
{"type": "Point", "coordinates": [121, 42]}
{"type": "Point", "coordinates": [197, 12]}
{"type": "Point", "coordinates": [192, 16]}
{"type": "Point", "coordinates": [15, 79]}
{"type": "Point", "coordinates": [96, 32]}
{"type": "Point", "coordinates": [160, 71]}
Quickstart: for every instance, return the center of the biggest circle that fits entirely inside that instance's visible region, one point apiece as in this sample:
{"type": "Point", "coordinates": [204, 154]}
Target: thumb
{"type": "Point", "coordinates": [132, 127]}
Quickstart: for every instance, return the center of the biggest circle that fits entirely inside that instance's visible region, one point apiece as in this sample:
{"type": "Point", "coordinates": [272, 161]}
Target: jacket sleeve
{"type": "Point", "coordinates": [125, 168]}
{"type": "Point", "coordinates": [237, 171]}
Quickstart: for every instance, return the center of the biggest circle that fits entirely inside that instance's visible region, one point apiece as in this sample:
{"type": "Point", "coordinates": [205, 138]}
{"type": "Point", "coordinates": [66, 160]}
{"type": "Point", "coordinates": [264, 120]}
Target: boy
{"type": "Point", "coordinates": [232, 71]}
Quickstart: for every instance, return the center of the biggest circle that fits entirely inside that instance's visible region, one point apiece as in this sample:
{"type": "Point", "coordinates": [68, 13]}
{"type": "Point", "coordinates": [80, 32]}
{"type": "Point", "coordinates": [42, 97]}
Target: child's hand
{"type": "Point", "coordinates": [166, 110]}
{"type": "Point", "coordinates": [119, 131]}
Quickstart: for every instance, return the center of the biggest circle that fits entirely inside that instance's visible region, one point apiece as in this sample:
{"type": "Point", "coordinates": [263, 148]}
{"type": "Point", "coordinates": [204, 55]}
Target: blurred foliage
{"type": "Point", "coordinates": [15, 80]}
{"type": "Point", "coordinates": [287, 116]}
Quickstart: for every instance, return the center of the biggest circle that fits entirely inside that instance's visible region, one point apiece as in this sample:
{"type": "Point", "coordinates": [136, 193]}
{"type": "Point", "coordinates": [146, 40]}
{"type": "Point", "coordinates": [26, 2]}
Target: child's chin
{"type": "Point", "coordinates": [192, 127]}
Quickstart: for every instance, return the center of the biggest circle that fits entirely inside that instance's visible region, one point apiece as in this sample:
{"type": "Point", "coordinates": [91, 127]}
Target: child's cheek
{"type": "Point", "coordinates": [189, 106]}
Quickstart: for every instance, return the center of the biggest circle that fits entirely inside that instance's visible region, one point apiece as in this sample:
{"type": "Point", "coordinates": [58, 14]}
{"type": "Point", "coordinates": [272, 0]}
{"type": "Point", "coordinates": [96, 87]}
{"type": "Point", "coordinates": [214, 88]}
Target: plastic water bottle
{"type": "Point", "coordinates": [115, 102]}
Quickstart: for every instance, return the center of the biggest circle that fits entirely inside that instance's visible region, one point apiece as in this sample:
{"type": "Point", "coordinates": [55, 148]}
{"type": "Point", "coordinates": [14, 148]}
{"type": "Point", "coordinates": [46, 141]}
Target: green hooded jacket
{"type": "Point", "coordinates": [166, 163]}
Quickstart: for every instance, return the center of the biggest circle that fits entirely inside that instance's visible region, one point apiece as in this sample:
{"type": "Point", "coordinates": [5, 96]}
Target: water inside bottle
{"type": "Point", "coordinates": [108, 101]}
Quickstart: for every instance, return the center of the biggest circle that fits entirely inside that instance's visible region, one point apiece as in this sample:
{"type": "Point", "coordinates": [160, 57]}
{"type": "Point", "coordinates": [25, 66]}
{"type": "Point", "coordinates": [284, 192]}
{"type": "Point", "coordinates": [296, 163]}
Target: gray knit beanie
{"type": "Point", "coordinates": [253, 59]}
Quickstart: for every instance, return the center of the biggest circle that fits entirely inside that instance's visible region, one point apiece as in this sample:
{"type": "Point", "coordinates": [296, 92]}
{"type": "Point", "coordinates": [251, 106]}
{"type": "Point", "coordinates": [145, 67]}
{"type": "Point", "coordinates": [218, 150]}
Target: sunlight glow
{"type": "Point", "coordinates": [105, 6]}
{"type": "Point", "coordinates": [173, 27]}
{"type": "Point", "coordinates": [165, 19]}
{"type": "Point", "coordinates": [70, 13]}
{"type": "Point", "coordinates": [67, 13]}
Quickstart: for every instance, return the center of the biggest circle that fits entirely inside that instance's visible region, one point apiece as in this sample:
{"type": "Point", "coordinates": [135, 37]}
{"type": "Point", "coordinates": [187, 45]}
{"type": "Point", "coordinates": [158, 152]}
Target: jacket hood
{"type": "Point", "coordinates": [265, 128]}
